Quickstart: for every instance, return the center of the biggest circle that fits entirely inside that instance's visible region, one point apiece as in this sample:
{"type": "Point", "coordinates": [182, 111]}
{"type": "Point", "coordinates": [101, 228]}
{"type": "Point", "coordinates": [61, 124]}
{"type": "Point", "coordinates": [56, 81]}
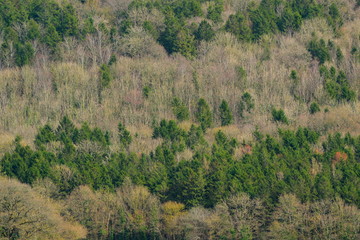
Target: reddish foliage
{"type": "Point", "coordinates": [339, 156]}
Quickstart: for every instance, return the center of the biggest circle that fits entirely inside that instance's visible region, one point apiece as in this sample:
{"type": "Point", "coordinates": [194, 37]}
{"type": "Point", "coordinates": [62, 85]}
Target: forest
{"type": "Point", "coordinates": [181, 119]}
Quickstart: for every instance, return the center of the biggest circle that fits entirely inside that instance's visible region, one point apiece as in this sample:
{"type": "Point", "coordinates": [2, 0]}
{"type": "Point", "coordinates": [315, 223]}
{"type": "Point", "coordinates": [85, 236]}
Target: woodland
{"type": "Point", "coordinates": [179, 119]}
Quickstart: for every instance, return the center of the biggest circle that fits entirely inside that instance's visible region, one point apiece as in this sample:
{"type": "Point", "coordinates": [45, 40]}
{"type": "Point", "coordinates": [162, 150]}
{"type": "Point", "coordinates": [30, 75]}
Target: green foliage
{"type": "Point", "coordinates": [214, 11]}
{"type": "Point", "coordinates": [203, 114]}
{"type": "Point", "coordinates": [205, 31]}
{"type": "Point", "coordinates": [337, 85]}
{"type": "Point", "coordinates": [290, 21]}
{"type": "Point", "coordinates": [177, 38]}
{"type": "Point", "coordinates": [314, 108]}
{"type": "Point", "coordinates": [23, 54]}
{"type": "Point", "coordinates": [146, 91]}
{"type": "Point", "coordinates": [239, 26]}
{"type": "Point", "coordinates": [319, 50]}
{"type": "Point", "coordinates": [105, 76]}
{"type": "Point", "coordinates": [226, 116]}
{"type": "Point", "coordinates": [187, 8]}
{"type": "Point", "coordinates": [180, 110]}
{"type": "Point", "coordinates": [246, 104]}
{"type": "Point", "coordinates": [169, 131]}
{"type": "Point", "coordinates": [125, 137]}
{"type": "Point", "coordinates": [334, 17]}
{"type": "Point", "coordinates": [279, 116]}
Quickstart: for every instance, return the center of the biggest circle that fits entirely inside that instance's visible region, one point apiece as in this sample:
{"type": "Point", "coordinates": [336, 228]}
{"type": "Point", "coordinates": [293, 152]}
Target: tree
{"type": "Point", "coordinates": [105, 76]}
{"type": "Point", "coordinates": [226, 116]}
{"type": "Point", "coordinates": [26, 215]}
{"type": "Point", "coordinates": [24, 54]}
{"type": "Point", "coordinates": [205, 31]}
{"type": "Point", "coordinates": [180, 110]}
{"type": "Point", "coordinates": [246, 104]}
{"type": "Point", "coordinates": [319, 50]}
{"type": "Point", "coordinates": [290, 21]}
{"type": "Point", "coordinates": [279, 116]}
{"type": "Point", "coordinates": [214, 11]}
{"type": "Point", "coordinates": [124, 136]}
{"type": "Point", "coordinates": [239, 26]}
{"type": "Point", "coordinates": [203, 114]}
{"type": "Point", "coordinates": [314, 108]}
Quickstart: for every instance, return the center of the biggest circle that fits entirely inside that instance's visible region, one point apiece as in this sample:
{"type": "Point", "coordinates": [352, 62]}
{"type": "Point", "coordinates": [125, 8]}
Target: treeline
{"type": "Point", "coordinates": [294, 162]}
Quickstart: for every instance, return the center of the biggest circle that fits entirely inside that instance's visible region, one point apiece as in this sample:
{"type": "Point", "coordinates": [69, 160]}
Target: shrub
{"type": "Point", "coordinates": [314, 108]}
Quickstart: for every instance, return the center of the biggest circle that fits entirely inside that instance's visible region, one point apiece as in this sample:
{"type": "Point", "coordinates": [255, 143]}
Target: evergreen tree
{"type": "Point", "coordinates": [203, 114]}
{"type": "Point", "coordinates": [180, 110]}
{"type": "Point", "coordinates": [205, 31]}
{"type": "Point", "coordinates": [24, 53]}
{"type": "Point", "coordinates": [125, 137]}
{"type": "Point", "coordinates": [105, 76]}
{"type": "Point", "coordinates": [226, 116]}
{"type": "Point", "coordinates": [239, 26]}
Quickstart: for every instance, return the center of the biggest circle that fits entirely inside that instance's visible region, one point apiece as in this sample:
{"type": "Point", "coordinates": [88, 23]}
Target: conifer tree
{"type": "Point", "coordinates": [124, 136]}
{"type": "Point", "coordinates": [226, 116]}
{"type": "Point", "coordinates": [203, 114]}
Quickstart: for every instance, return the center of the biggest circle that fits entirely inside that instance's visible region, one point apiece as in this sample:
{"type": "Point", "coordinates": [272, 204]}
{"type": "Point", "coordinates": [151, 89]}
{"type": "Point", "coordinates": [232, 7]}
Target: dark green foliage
{"type": "Point", "coordinates": [290, 21]}
{"type": "Point", "coordinates": [306, 8]}
{"type": "Point", "coordinates": [33, 30]}
{"type": "Point", "coordinates": [24, 53]}
{"type": "Point", "coordinates": [205, 31]}
{"type": "Point", "coordinates": [180, 110]}
{"type": "Point", "coordinates": [195, 137]}
{"type": "Point", "coordinates": [279, 116]}
{"type": "Point", "coordinates": [226, 116]}
{"type": "Point", "coordinates": [275, 165]}
{"type": "Point", "coordinates": [314, 108]}
{"type": "Point", "coordinates": [187, 8]}
{"type": "Point", "coordinates": [337, 85]}
{"type": "Point", "coordinates": [146, 91]}
{"type": "Point", "coordinates": [246, 104]}
{"type": "Point", "coordinates": [203, 114]}
{"type": "Point", "coordinates": [239, 26]}
{"type": "Point", "coordinates": [319, 50]}
{"type": "Point", "coordinates": [264, 19]}
{"type": "Point", "coordinates": [214, 11]}
{"type": "Point", "coordinates": [334, 17]}
{"type": "Point", "coordinates": [125, 137]}
{"type": "Point", "coordinates": [51, 38]}
{"type": "Point", "coordinates": [177, 38]}
{"type": "Point", "coordinates": [105, 76]}
{"type": "Point", "coordinates": [188, 183]}
{"type": "Point", "coordinates": [339, 55]}
{"type": "Point", "coordinates": [294, 75]}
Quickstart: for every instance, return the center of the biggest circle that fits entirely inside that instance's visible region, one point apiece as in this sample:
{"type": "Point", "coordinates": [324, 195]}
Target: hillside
{"type": "Point", "coordinates": [182, 119]}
